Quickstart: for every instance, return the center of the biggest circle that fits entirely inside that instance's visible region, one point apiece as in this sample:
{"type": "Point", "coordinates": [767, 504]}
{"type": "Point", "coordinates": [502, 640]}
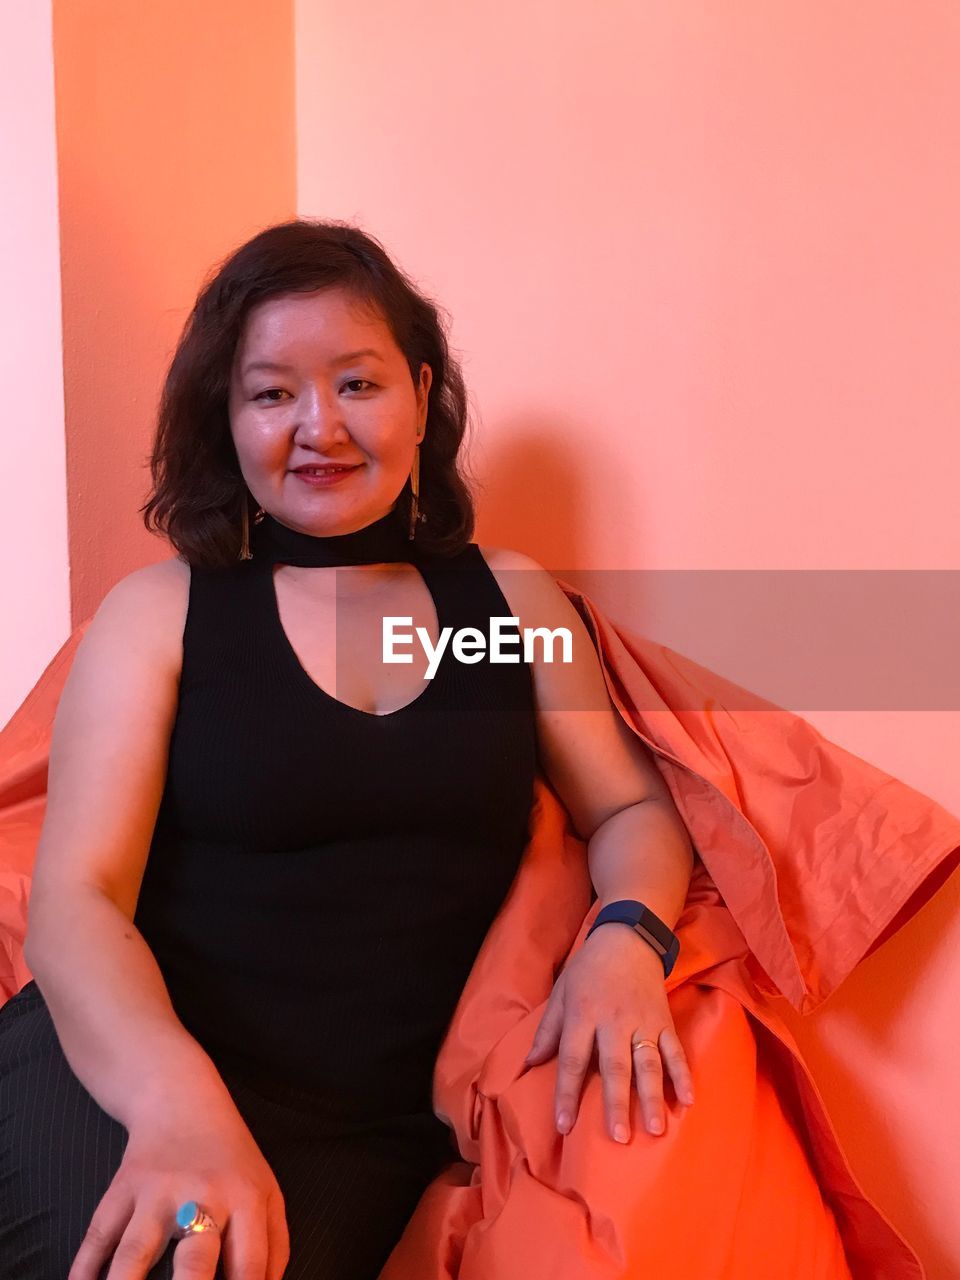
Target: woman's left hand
{"type": "Point", "coordinates": [612, 991]}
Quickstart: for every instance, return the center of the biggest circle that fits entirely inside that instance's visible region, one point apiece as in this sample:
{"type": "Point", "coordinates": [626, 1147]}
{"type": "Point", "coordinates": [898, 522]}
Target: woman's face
{"type": "Point", "coordinates": [324, 402]}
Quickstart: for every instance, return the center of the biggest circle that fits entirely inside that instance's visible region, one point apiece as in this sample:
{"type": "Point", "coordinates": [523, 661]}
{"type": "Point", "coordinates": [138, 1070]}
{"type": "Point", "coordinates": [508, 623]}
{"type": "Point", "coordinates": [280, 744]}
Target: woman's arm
{"type": "Point", "coordinates": [637, 844]}
{"type": "Point", "coordinates": [643, 852]}
{"type": "Point", "coordinates": [637, 847]}
{"type": "Point", "coordinates": [111, 1010]}
{"type": "Point", "coordinates": [108, 757]}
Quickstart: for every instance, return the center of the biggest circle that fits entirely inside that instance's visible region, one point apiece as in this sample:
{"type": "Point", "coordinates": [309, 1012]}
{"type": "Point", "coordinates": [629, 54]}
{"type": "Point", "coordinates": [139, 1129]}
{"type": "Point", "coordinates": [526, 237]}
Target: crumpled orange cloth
{"type": "Point", "coordinates": [808, 858]}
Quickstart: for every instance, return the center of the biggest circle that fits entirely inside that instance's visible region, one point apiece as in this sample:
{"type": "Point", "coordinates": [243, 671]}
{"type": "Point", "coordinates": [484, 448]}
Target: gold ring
{"type": "Point", "coordinates": [636, 1044]}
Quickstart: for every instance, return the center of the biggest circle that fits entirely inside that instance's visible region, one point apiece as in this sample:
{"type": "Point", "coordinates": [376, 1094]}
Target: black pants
{"type": "Point", "coordinates": [347, 1198]}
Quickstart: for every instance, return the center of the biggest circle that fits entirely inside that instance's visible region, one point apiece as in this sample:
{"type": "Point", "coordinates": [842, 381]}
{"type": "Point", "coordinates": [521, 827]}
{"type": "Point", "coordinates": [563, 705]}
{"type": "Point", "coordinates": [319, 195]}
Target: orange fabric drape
{"type": "Point", "coordinates": [808, 858]}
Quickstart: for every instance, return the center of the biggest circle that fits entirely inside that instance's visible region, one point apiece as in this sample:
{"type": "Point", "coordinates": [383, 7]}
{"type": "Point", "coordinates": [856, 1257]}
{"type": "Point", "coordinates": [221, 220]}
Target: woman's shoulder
{"type": "Point", "coordinates": [503, 560]}
{"type": "Point", "coordinates": [522, 579]}
{"type": "Point", "coordinates": [535, 594]}
{"type": "Point", "coordinates": [506, 563]}
{"type": "Point", "coordinates": [161, 586]}
{"type": "Point", "coordinates": [150, 603]}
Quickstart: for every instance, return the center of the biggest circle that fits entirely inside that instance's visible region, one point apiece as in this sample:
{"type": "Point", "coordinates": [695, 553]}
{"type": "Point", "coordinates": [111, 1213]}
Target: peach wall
{"type": "Point", "coordinates": [176, 136]}
{"type": "Point", "coordinates": [34, 567]}
{"type": "Point", "coordinates": [702, 266]}
{"type": "Point", "coordinates": [703, 272]}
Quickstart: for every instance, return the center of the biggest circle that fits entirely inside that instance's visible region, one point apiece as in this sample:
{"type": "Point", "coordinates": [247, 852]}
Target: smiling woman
{"type": "Point", "coordinates": [243, 1087]}
{"type": "Point", "coordinates": [274, 869]}
{"type": "Point", "coordinates": [347, 401]}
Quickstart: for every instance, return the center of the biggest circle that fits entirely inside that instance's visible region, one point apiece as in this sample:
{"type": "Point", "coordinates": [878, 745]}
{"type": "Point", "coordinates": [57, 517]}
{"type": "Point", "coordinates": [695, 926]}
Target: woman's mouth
{"type": "Point", "coordinates": [323, 477]}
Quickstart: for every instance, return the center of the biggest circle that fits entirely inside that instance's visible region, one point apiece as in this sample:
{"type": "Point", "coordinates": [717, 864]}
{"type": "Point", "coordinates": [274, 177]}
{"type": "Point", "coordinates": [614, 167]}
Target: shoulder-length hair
{"type": "Point", "coordinates": [199, 493]}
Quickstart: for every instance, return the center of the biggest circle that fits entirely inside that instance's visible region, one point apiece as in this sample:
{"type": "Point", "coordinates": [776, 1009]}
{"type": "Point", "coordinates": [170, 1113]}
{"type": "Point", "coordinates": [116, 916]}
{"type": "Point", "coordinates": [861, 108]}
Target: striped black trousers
{"type": "Point", "coordinates": [347, 1198]}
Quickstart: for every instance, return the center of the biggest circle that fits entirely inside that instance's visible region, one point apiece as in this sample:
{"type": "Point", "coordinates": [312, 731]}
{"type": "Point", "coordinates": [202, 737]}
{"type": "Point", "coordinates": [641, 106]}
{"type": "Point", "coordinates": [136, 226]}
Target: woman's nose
{"type": "Point", "coordinates": [320, 419]}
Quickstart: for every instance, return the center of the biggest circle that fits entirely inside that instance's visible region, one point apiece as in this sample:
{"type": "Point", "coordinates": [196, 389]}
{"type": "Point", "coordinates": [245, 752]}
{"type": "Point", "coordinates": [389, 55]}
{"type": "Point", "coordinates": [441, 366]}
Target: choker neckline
{"type": "Point", "coordinates": [384, 540]}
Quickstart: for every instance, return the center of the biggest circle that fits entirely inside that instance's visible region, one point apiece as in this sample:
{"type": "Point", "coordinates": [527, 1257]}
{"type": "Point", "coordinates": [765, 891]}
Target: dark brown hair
{"type": "Point", "coordinates": [198, 489]}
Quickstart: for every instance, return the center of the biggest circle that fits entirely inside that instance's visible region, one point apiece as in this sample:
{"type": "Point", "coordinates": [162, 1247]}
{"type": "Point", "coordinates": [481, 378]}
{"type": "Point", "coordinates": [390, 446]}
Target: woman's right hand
{"type": "Point", "coordinates": [193, 1146]}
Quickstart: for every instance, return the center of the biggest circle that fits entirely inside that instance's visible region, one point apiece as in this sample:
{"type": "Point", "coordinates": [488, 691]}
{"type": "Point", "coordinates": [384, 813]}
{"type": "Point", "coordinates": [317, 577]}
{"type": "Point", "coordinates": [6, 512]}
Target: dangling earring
{"type": "Point", "coordinates": [245, 552]}
{"type": "Point", "coordinates": [415, 486]}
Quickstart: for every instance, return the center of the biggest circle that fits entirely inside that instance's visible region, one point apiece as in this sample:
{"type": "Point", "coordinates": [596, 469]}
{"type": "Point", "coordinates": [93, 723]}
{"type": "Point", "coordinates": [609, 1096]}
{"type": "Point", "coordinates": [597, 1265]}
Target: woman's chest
{"type": "Point", "coordinates": [273, 746]}
{"type": "Point", "coordinates": [368, 644]}
{"type": "Point", "coordinates": [299, 775]}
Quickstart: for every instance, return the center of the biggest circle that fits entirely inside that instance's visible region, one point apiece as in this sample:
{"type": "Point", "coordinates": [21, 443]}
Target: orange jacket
{"type": "Point", "coordinates": [807, 859]}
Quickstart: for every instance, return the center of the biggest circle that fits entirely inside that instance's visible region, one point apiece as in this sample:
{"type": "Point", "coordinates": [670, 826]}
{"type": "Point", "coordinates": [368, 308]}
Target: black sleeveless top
{"type": "Point", "coordinates": [321, 878]}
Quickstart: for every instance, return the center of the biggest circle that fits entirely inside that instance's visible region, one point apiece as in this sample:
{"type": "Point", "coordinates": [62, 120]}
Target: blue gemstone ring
{"type": "Point", "coordinates": [192, 1218]}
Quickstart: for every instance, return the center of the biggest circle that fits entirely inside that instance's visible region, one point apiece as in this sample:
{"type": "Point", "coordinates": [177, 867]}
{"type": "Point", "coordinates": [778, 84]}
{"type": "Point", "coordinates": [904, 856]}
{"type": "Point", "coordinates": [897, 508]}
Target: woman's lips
{"type": "Point", "coordinates": [318, 480]}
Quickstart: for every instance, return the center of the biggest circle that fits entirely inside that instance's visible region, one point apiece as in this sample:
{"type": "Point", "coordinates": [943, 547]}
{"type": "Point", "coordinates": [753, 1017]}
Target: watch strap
{"type": "Point", "coordinates": [645, 922]}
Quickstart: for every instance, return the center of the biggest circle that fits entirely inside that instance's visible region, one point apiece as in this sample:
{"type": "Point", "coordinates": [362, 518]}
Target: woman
{"type": "Point", "coordinates": [310, 852]}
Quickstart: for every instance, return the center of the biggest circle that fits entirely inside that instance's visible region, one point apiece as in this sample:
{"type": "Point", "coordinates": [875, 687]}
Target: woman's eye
{"type": "Point", "coordinates": [360, 383]}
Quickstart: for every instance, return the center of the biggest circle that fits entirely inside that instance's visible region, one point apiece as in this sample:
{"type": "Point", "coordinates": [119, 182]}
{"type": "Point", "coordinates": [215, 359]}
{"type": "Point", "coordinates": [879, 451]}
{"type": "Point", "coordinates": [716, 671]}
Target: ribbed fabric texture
{"type": "Point", "coordinates": [322, 878]}
{"type": "Point", "coordinates": [319, 884]}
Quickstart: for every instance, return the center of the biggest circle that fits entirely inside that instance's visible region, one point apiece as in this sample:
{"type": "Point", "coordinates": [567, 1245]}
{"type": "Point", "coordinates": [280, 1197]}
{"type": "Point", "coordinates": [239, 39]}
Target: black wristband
{"type": "Point", "coordinates": [649, 926]}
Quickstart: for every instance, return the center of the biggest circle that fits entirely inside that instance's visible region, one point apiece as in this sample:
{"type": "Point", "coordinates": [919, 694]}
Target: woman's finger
{"type": "Point", "coordinates": [107, 1225]}
{"type": "Point", "coordinates": [616, 1072]}
{"type": "Point", "coordinates": [245, 1240]}
{"type": "Point", "coordinates": [648, 1070]}
{"type": "Point", "coordinates": [547, 1035]}
{"type": "Point", "coordinates": [677, 1065]}
{"type": "Point", "coordinates": [278, 1236]}
{"type": "Point", "coordinates": [141, 1245]}
{"type": "Point", "coordinates": [196, 1256]}
{"type": "Point", "coordinates": [573, 1058]}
